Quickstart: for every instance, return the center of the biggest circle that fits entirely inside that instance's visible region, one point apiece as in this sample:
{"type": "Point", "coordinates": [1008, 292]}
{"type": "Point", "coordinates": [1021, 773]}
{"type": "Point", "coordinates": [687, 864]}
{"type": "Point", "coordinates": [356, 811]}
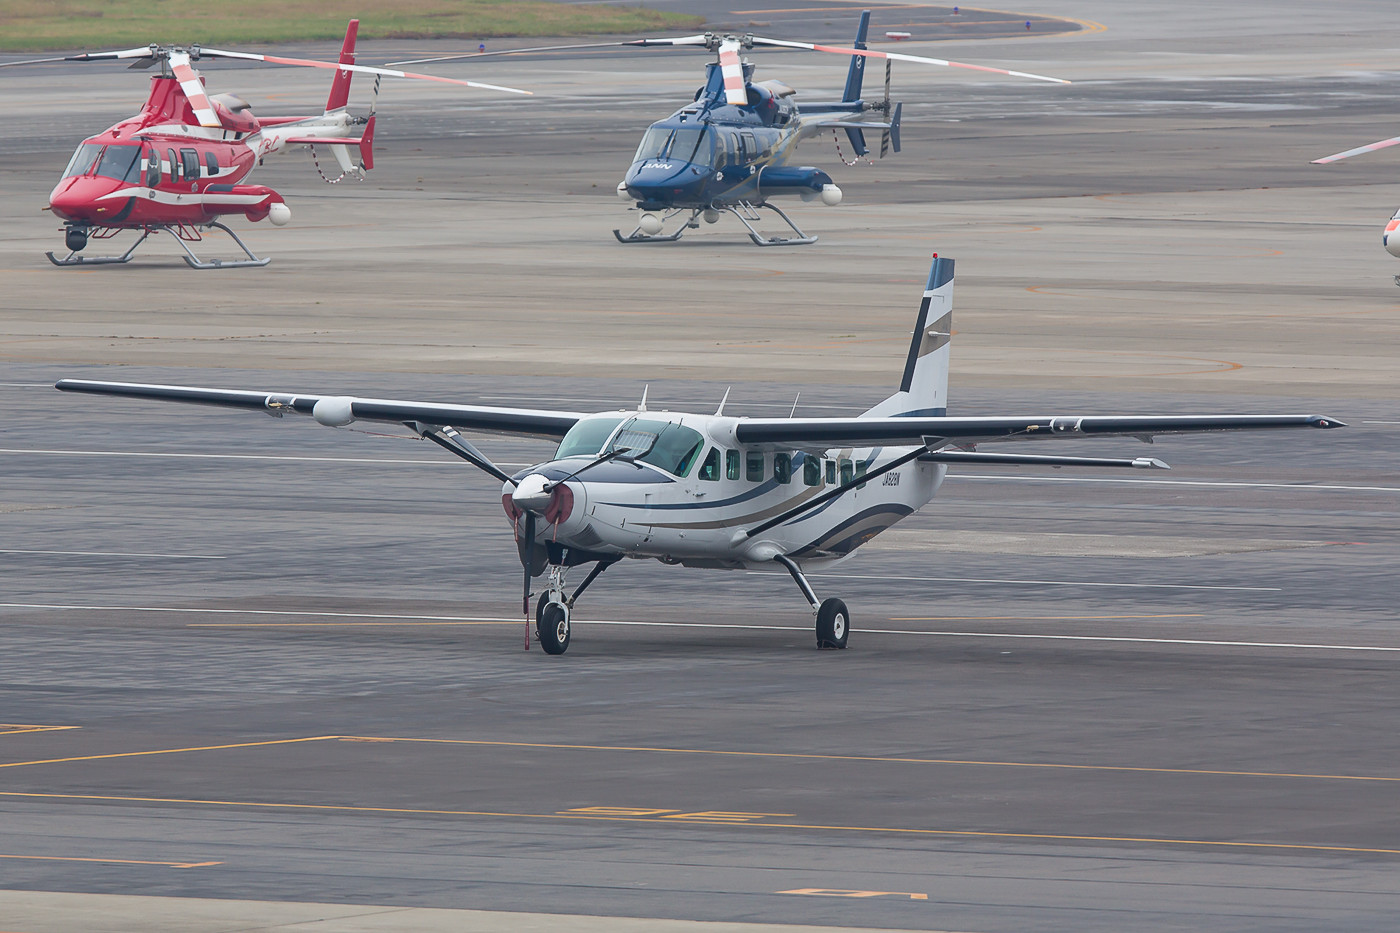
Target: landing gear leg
{"type": "Point", "coordinates": [748, 214]}
{"type": "Point", "coordinates": [554, 608]}
{"type": "Point", "coordinates": [637, 236]}
{"type": "Point", "coordinates": [833, 620]}
{"type": "Point", "coordinates": [195, 262]}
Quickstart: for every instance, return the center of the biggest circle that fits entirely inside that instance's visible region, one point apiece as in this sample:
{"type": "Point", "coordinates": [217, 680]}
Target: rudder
{"type": "Point", "coordinates": [923, 389]}
{"type": "Point", "coordinates": [340, 84]}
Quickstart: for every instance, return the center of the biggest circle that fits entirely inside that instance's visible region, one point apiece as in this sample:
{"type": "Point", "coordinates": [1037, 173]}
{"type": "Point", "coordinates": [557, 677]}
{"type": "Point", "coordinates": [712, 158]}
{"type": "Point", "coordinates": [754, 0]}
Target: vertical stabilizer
{"type": "Point", "coordinates": [923, 390]}
{"type": "Point", "coordinates": [340, 84]}
{"type": "Point", "coordinates": [854, 74]}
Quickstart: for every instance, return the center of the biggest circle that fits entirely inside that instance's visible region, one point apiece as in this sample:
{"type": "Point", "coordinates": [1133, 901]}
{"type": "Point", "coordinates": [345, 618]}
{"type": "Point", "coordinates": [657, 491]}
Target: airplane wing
{"type": "Point", "coordinates": [940, 432]}
{"type": "Point", "coordinates": [341, 410]}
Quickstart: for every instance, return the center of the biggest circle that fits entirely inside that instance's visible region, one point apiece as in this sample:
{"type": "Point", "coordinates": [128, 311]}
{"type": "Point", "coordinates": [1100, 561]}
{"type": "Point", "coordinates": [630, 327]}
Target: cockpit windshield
{"type": "Point", "coordinates": [672, 447]}
{"type": "Point", "coordinates": [587, 437]}
{"type": "Point", "coordinates": [686, 144]}
{"type": "Point", "coordinates": [119, 161]}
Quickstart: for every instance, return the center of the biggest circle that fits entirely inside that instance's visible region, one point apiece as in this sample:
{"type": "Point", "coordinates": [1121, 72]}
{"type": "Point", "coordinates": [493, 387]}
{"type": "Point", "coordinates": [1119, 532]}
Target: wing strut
{"type": "Point", "coordinates": [449, 440]}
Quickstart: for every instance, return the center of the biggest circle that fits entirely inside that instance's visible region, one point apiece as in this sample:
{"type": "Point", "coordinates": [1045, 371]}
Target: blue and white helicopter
{"type": "Point", "coordinates": [728, 152]}
{"type": "Point", "coordinates": [718, 491]}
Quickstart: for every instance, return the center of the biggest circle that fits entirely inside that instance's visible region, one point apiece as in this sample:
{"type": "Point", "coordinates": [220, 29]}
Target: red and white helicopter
{"type": "Point", "coordinates": [717, 491]}
{"type": "Point", "coordinates": [1390, 237]}
{"type": "Point", "coordinates": [182, 163]}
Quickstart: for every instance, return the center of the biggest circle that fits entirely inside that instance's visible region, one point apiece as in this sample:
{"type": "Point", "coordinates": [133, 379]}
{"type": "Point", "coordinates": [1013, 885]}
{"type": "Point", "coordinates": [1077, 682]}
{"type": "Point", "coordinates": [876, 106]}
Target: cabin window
{"type": "Point", "coordinates": [84, 158]}
{"type": "Point", "coordinates": [830, 472]}
{"type": "Point", "coordinates": [861, 467]}
{"type": "Point", "coordinates": [731, 464]}
{"type": "Point", "coordinates": [174, 164]}
{"type": "Point", "coordinates": [709, 470]}
{"type": "Point", "coordinates": [152, 167]}
{"type": "Point", "coordinates": [189, 160]}
{"type": "Point", "coordinates": [211, 163]}
{"type": "Point", "coordinates": [782, 468]}
{"type": "Point", "coordinates": [753, 466]}
{"type": "Point", "coordinates": [811, 471]}
{"type": "Point", "coordinates": [848, 471]}
{"type": "Point", "coordinates": [121, 162]}
{"type": "Point", "coordinates": [587, 437]}
{"type": "Point", "coordinates": [748, 148]}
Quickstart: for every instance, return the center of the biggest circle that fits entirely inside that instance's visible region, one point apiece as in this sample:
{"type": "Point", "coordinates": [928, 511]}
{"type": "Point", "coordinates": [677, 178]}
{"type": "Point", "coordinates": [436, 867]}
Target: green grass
{"type": "Point", "coordinates": [34, 25]}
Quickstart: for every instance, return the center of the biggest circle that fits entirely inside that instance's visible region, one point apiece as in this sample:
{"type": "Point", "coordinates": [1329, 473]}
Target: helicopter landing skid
{"type": "Point", "coordinates": [181, 235]}
{"type": "Point", "coordinates": [637, 236]}
{"type": "Point", "coordinates": [748, 212]}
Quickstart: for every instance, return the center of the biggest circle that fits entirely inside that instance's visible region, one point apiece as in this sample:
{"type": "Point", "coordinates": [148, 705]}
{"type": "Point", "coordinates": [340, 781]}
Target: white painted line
{"type": "Point", "coordinates": [182, 456]}
{"type": "Point", "coordinates": [1301, 487]}
{"type": "Point", "coordinates": [16, 550]}
{"type": "Point", "coordinates": [26, 385]}
{"type": "Point", "coordinates": [395, 618]}
{"type": "Point", "coordinates": [1155, 586]}
{"type": "Point", "coordinates": [1380, 422]}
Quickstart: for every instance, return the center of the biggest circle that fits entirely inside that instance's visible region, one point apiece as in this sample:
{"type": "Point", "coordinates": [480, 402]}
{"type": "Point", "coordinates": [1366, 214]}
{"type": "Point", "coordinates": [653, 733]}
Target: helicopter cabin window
{"type": "Point", "coordinates": [211, 164]}
{"type": "Point", "coordinates": [753, 466]}
{"type": "Point", "coordinates": [190, 162]}
{"type": "Point", "coordinates": [174, 164]}
{"type": "Point", "coordinates": [587, 437]}
{"type": "Point", "coordinates": [848, 472]}
{"type": "Point", "coordinates": [84, 158]}
{"type": "Point", "coordinates": [731, 464]}
{"type": "Point", "coordinates": [152, 167]}
{"type": "Point", "coordinates": [121, 162]}
{"type": "Point", "coordinates": [811, 471]}
{"type": "Point", "coordinates": [830, 472]}
{"type": "Point", "coordinates": [782, 468]}
{"type": "Point", "coordinates": [748, 147]}
{"type": "Point", "coordinates": [709, 470]}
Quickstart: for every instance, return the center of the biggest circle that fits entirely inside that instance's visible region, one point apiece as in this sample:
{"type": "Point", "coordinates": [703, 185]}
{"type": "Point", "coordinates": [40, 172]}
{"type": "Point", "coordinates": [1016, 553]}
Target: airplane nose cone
{"type": "Point", "coordinates": [531, 495]}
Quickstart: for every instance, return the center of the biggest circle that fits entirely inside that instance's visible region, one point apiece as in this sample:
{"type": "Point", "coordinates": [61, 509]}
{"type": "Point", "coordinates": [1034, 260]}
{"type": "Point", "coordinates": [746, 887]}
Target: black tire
{"type": "Point", "coordinates": [833, 624]}
{"type": "Point", "coordinates": [539, 609]}
{"type": "Point", "coordinates": [553, 629]}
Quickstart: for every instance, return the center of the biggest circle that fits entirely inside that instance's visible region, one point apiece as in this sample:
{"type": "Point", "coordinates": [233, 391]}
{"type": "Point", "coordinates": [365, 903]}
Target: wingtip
{"type": "Point", "coordinates": [1322, 421]}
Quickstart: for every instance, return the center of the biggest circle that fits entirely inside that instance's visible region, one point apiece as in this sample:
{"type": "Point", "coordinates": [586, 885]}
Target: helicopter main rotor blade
{"type": "Point", "coordinates": [143, 52]}
{"type": "Point", "coordinates": [683, 40]}
{"type": "Point", "coordinates": [364, 69]}
{"type": "Point", "coordinates": [193, 88]}
{"type": "Point", "coordinates": [897, 56]}
{"type": "Point", "coordinates": [1369, 147]}
{"type": "Point", "coordinates": [543, 48]}
{"type": "Point", "coordinates": [733, 71]}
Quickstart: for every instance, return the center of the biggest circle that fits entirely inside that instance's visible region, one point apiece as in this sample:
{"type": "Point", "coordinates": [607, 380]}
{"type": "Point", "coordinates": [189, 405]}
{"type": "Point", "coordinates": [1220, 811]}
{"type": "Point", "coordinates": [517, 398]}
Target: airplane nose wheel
{"type": "Point", "coordinates": [833, 624]}
{"type": "Point", "coordinates": [552, 628]}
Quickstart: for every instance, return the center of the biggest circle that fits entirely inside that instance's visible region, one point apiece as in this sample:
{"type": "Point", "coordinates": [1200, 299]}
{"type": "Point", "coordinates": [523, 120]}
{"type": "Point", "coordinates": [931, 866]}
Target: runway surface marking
{"type": "Point", "coordinates": [889, 759]}
{"type": "Point", "coordinates": [15, 550]}
{"type": "Point", "coordinates": [166, 751]}
{"type": "Point", "coordinates": [393, 620]}
{"type": "Point", "coordinates": [110, 861]}
{"type": "Point", "coordinates": [453, 463]}
{"type": "Point", "coordinates": [14, 728]}
{"type": "Point", "coordinates": [1160, 586]}
{"type": "Point", "coordinates": [819, 827]}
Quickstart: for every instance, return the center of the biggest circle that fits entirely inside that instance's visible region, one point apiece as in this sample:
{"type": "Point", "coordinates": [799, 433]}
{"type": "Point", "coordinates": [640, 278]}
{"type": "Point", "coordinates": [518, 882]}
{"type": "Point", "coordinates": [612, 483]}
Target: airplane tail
{"type": "Point", "coordinates": [854, 74]}
{"type": "Point", "coordinates": [923, 392]}
{"type": "Point", "coordinates": [340, 84]}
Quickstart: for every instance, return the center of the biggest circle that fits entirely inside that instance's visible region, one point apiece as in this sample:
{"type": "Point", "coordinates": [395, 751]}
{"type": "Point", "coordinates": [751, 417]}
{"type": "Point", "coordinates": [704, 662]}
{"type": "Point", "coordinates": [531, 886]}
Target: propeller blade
{"type": "Point", "coordinates": [733, 71]}
{"type": "Point", "coordinates": [193, 88]}
{"type": "Point", "coordinates": [897, 56]}
{"type": "Point", "coordinates": [363, 69]}
{"type": "Point", "coordinates": [610, 455]}
{"type": "Point", "coordinates": [527, 558]}
{"type": "Point", "coordinates": [1369, 147]}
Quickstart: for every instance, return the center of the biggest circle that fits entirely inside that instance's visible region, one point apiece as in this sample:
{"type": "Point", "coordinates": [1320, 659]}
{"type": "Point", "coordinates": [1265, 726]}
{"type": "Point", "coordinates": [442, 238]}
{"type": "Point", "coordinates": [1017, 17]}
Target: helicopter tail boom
{"type": "Point", "coordinates": [340, 84]}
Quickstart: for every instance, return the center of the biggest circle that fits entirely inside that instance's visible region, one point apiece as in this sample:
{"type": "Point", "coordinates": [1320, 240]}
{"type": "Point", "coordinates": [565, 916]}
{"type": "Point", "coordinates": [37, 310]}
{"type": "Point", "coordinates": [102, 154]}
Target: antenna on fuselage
{"type": "Point", "coordinates": [642, 406]}
{"type": "Point", "coordinates": [720, 409]}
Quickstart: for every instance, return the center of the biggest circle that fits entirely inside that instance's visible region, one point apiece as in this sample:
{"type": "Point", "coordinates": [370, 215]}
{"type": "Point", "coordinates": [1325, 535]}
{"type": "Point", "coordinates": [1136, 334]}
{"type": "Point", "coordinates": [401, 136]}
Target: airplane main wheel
{"type": "Point", "coordinates": [553, 628]}
{"type": "Point", "coordinates": [833, 624]}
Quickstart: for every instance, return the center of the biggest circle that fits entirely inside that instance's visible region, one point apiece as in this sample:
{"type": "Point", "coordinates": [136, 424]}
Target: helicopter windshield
{"type": "Point", "coordinates": [686, 144]}
{"type": "Point", "coordinates": [83, 160]}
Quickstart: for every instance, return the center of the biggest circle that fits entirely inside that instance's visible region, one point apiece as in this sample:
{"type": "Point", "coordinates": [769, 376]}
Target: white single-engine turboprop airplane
{"type": "Point", "coordinates": [719, 491]}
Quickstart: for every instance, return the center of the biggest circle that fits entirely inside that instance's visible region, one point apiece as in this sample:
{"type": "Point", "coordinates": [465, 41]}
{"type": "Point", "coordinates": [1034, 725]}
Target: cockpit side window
{"type": "Point", "coordinates": [152, 167]}
{"type": "Point", "coordinates": [121, 162]}
{"type": "Point", "coordinates": [709, 470]}
{"type": "Point", "coordinates": [84, 158]}
{"type": "Point", "coordinates": [587, 437]}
